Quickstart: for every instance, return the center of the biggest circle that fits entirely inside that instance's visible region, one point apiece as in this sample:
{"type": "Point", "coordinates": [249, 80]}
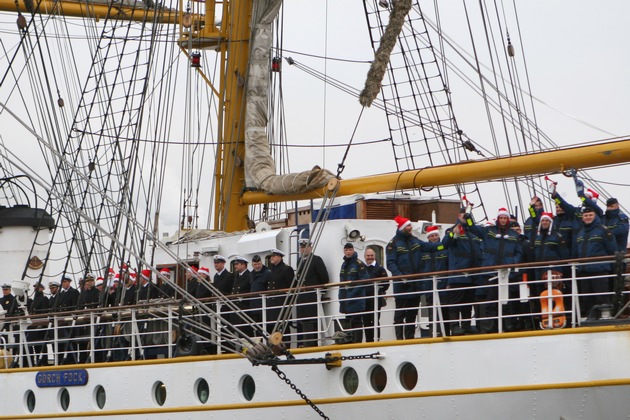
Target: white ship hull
{"type": "Point", "coordinates": [577, 373]}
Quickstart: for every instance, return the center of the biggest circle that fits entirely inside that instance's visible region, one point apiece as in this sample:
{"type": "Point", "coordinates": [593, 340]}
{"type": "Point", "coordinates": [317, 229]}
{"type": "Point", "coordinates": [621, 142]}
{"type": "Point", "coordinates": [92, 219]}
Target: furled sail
{"type": "Point", "coordinates": [260, 169]}
{"type": "Point", "coordinates": [400, 9]}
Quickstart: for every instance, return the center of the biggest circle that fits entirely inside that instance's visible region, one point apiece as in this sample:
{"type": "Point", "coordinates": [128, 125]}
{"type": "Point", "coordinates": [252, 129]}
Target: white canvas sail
{"type": "Point", "coordinates": [260, 169]}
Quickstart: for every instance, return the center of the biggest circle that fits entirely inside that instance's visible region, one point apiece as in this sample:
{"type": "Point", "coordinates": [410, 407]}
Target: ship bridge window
{"type": "Point", "coordinates": [100, 397]}
{"type": "Point", "coordinates": [202, 390]}
{"type": "Point", "coordinates": [29, 399]}
{"type": "Point", "coordinates": [159, 393]}
{"type": "Point", "coordinates": [378, 378]}
{"type": "Point", "coordinates": [350, 380]}
{"type": "Point", "coordinates": [408, 376]}
{"type": "Point", "coordinates": [248, 387]}
{"type": "Point", "coordinates": [64, 399]}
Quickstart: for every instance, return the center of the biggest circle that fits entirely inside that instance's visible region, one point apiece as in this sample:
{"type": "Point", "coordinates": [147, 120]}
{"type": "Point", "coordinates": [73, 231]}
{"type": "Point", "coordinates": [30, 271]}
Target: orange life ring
{"type": "Point", "coordinates": [557, 301]}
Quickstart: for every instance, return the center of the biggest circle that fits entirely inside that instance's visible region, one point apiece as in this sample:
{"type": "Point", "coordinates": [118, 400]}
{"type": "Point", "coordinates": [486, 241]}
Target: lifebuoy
{"type": "Point", "coordinates": [557, 302]}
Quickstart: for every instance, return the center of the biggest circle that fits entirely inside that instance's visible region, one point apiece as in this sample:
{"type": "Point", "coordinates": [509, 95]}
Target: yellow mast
{"type": "Point", "coordinates": [230, 212]}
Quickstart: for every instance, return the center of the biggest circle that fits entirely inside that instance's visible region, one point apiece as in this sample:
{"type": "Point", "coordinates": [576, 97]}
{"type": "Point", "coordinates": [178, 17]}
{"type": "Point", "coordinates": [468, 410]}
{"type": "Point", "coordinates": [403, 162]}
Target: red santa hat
{"type": "Point", "coordinates": [165, 272]}
{"type": "Point", "coordinates": [146, 274]}
{"type": "Point", "coordinates": [503, 212]}
{"type": "Point", "coordinates": [592, 194]}
{"type": "Point", "coordinates": [99, 281]}
{"type": "Point", "coordinates": [432, 230]}
{"type": "Point", "coordinates": [204, 270]}
{"type": "Point", "coordinates": [401, 222]}
{"type": "Point", "coordinates": [193, 270]}
{"type": "Point", "coordinates": [548, 216]}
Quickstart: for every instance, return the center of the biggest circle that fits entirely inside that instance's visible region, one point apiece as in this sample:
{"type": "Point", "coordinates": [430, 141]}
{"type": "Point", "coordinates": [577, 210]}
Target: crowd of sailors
{"type": "Point", "coordinates": [469, 299]}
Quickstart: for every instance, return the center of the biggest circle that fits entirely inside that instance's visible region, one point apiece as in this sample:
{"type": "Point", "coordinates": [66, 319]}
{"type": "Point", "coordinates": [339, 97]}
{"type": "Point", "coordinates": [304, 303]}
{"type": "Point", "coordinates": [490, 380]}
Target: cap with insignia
{"type": "Point", "coordinates": [275, 251]}
{"type": "Point", "coordinates": [219, 258]}
{"type": "Point", "coordinates": [241, 259]}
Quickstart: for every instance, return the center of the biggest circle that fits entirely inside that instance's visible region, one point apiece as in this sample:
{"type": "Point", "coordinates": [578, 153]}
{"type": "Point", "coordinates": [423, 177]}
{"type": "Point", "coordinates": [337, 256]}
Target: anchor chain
{"type": "Point", "coordinates": [283, 377]}
{"type": "Point", "coordinates": [274, 366]}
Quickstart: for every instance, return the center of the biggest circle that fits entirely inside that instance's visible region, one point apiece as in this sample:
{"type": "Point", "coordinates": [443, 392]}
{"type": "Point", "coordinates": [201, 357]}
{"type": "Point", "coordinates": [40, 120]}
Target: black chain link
{"type": "Point", "coordinates": [359, 357]}
{"type": "Point", "coordinates": [274, 366]}
{"type": "Point", "coordinates": [283, 376]}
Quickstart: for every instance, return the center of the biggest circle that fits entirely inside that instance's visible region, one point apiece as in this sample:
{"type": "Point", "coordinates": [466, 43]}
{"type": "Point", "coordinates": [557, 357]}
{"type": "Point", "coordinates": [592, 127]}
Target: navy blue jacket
{"type": "Point", "coordinates": [500, 245]}
{"type": "Point", "coordinates": [464, 251]}
{"type": "Point", "coordinates": [352, 269]}
{"type": "Point", "coordinates": [549, 246]}
{"type": "Point", "coordinates": [530, 227]}
{"type": "Point", "coordinates": [594, 240]}
{"type": "Point", "coordinates": [617, 222]}
{"type": "Point", "coordinates": [568, 223]}
{"type": "Point", "coordinates": [259, 282]}
{"type": "Point", "coordinates": [433, 261]}
{"type": "Point", "coordinates": [403, 257]}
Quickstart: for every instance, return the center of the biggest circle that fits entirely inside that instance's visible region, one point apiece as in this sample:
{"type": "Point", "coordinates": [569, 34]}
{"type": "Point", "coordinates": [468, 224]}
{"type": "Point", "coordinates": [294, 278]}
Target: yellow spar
{"type": "Point", "coordinates": [609, 153]}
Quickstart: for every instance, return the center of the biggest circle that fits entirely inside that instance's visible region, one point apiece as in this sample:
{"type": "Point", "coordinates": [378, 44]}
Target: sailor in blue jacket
{"type": "Point", "coordinates": [403, 258]}
{"type": "Point", "coordinates": [568, 219]}
{"type": "Point", "coordinates": [352, 298]}
{"type": "Point", "coordinates": [500, 246]}
{"type": "Point", "coordinates": [593, 240]}
{"type": "Point", "coordinates": [535, 210]}
{"type": "Point", "coordinates": [432, 261]}
{"type": "Point", "coordinates": [549, 245]}
{"type": "Point", "coordinates": [464, 251]}
{"type": "Point", "coordinates": [617, 222]}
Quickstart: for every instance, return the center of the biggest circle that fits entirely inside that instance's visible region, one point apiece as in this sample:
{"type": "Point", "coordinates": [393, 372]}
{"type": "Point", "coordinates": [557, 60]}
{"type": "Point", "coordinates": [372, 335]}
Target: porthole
{"type": "Point", "coordinates": [248, 387]}
{"type": "Point", "coordinates": [378, 378]}
{"type": "Point", "coordinates": [29, 399]}
{"type": "Point", "coordinates": [159, 393]}
{"type": "Point", "coordinates": [100, 397]}
{"type": "Point", "coordinates": [350, 381]}
{"type": "Point", "coordinates": [408, 376]}
{"type": "Point", "coordinates": [64, 399]}
{"type": "Point", "coordinates": [203, 390]}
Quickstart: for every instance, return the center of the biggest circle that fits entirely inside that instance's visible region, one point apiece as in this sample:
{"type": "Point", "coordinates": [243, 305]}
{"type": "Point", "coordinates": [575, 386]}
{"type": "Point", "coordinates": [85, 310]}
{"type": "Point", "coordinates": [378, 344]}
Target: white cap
{"type": "Point", "coordinates": [277, 252]}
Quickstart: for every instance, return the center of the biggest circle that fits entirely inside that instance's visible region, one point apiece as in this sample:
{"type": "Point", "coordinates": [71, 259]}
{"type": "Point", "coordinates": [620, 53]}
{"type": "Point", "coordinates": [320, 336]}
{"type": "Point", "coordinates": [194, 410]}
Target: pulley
{"type": "Point", "coordinates": [21, 22]}
{"type": "Point", "coordinates": [195, 59]}
{"type": "Point", "coordinates": [510, 49]}
{"type": "Point", "coordinates": [276, 64]}
{"type": "Point", "coordinates": [187, 20]}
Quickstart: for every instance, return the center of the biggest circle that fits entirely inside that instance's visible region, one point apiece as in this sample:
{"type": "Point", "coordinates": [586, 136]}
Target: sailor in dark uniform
{"type": "Point", "coordinates": [315, 275]}
{"type": "Point", "coordinates": [241, 285]}
{"type": "Point", "coordinates": [89, 297]}
{"type": "Point", "coordinates": [281, 277]}
{"type": "Point", "coordinates": [68, 296]}
{"type": "Point", "coordinates": [148, 291]}
{"type": "Point", "coordinates": [166, 288]}
{"type": "Point", "coordinates": [259, 281]}
{"type": "Point", "coordinates": [66, 302]}
{"type": "Point", "coordinates": [192, 281]}
{"type": "Point", "coordinates": [53, 286]}
{"type": "Point", "coordinates": [37, 305]}
{"type": "Point", "coordinates": [223, 279]}
{"type": "Point", "coordinates": [8, 300]}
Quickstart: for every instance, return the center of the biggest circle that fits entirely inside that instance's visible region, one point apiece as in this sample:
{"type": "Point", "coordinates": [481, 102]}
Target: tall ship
{"type": "Point", "coordinates": [253, 208]}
